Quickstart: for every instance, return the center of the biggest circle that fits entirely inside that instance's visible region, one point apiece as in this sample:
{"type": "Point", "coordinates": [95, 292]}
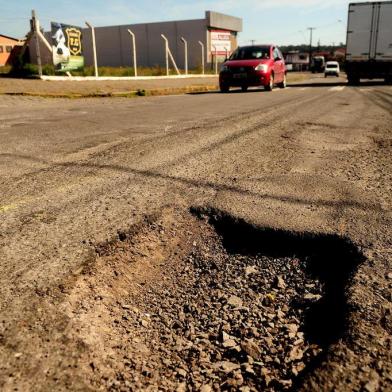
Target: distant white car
{"type": "Point", "coordinates": [332, 68]}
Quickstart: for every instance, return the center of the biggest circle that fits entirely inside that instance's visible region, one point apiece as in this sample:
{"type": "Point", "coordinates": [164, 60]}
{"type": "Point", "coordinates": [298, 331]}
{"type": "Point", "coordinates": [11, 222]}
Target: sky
{"type": "Point", "coordinates": [280, 22]}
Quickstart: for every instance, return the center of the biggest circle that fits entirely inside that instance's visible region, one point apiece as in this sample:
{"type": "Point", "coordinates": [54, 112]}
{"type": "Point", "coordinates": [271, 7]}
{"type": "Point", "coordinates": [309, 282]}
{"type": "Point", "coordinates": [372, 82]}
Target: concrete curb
{"type": "Point", "coordinates": [119, 94]}
{"type": "Point", "coordinates": [120, 78]}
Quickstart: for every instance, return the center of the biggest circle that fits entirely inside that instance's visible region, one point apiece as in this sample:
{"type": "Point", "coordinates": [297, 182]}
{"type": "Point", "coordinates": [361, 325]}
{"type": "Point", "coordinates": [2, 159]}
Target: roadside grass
{"type": "Point", "coordinates": [29, 70]}
{"type": "Point", "coordinates": [294, 77]}
{"type": "Point", "coordinates": [5, 70]}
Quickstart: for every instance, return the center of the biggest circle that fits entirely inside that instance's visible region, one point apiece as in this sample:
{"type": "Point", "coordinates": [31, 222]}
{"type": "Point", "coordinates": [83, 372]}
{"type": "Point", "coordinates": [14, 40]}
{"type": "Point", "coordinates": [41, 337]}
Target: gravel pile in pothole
{"type": "Point", "coordinates": [227, 322]}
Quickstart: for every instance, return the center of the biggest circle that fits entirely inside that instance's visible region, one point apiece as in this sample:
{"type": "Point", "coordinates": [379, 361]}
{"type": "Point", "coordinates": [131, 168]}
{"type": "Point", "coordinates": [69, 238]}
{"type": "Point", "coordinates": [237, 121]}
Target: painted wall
{"type": "Point", "coordinates": [114, 43]}
{"type": "Point", "coordinates": [6, 42]}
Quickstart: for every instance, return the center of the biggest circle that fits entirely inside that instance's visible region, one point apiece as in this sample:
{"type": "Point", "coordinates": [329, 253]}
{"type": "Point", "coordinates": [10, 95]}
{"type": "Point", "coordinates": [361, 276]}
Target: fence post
{"type": "Point", "coordinates": [216, 60]}
{"type": "Point", "coordinates": [166, 53]}
{"type": "Point", "coordinates": [169, 54]}
{"type": "Point", "coordinates": [186, 54]}
{"type": "Point", "coordinates": [94, 48]}
{"type": "Point", "coordinates": [134, 51]}
{"type": "Point", "coordinates": [35, 27]}
{"type": "Point", "coordinates": [202, 57]}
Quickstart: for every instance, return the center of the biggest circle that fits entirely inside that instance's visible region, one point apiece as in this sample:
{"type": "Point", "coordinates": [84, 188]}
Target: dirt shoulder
{"type": "Point", "coordinates": [107, 88]}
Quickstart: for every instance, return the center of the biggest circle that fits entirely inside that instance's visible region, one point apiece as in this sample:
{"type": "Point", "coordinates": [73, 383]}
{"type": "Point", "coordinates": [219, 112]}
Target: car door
{"type": "Point", "coordinates": [282, 64]}
{"type": "Point", "coordinates": [278, 64]}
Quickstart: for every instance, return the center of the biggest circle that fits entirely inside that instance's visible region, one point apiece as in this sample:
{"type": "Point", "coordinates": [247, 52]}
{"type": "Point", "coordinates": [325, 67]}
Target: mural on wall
{"type": "Point", "coordinates": [67, 47]}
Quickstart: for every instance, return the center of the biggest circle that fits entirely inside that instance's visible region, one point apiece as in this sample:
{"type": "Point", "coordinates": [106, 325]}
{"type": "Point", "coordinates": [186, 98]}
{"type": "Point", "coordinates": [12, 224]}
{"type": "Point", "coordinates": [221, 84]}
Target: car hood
{"type": "Point", "coordinates": [246, 63]}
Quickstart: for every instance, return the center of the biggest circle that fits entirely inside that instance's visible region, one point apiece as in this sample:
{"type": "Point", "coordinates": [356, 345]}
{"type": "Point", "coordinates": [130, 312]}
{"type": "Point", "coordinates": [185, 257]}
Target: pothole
{"type": "Point", "coordinates": [204, 301]}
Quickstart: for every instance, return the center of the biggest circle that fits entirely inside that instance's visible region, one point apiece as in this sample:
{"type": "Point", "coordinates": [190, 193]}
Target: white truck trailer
{"type": "Point", "coordinates": [369, 41]}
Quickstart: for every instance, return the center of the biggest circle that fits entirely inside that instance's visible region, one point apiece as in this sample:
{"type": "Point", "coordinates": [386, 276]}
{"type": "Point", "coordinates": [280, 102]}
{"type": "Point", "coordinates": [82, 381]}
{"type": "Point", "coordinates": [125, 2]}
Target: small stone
{"type": "Point", "coordinates": [181, 387]}
{"type": "Point", "coordinates": [227, 366]}
{"type": "Point", "coordinates": [144, 323]}
{"type": "Point", "coordinates": [389, 276]}
{"type": "Point", "coordinates": [298, 368]}
{"type": "Point", "coordinates": [373, 384]}
{"type": "Point", "coordinates": [18, 355]}
{"type": "Point", "coordinates": [265, 374]}
{"type": "Point", "coordinates": [229, 343]}
{"type": "Point", "coordinates": [206, 388]}
{"type": "Point", "coordinates": [235, 301]}
{"type": "Point", "coordinates": [280, 283]}
{"type": "Point", "coordinates": [251, 270]}
{"type": "Point", "coordinates": [249, 369]}
{"type": "Point", "coordinates": [296, 354]}
{"type": "Point", "coordinates": [181, 372]}
{"type": "Point", "coordinates": [312, 297]}
{"type": "Point", "coordinates": [251, 348]}
{"type": "Point", "coordinates": [285, 383]}
{"type": "Point", "coordinates": [236, 381]}
{"type": "Point", "coordinates": [225, 336]}
{"type": "Point", "coordinates": [280, 314]}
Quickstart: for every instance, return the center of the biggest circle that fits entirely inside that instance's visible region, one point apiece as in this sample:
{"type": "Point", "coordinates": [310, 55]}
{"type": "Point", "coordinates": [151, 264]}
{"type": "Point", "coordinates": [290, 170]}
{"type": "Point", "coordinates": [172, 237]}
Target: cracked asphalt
{"type": "Point", "coordinates": [315, 157]}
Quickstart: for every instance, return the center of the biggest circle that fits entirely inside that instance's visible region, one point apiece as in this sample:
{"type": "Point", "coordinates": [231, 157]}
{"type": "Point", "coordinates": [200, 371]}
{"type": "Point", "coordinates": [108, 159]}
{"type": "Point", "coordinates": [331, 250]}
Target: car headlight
{"type": "Point", "coordinates": [224, 68]}
{"type": "Point", "coordinates": [261, 67]}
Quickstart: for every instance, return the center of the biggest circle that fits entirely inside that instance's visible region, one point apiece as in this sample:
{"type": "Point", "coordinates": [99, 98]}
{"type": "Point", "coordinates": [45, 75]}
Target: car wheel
{"type": "Point", "coordinates": [244, 89]}
{"type": "Point", "coordinates": [271, 84]}
{"type": "Point", "coordinates": [224, 88]}
{"type": "Point", "coordinates": [283, 84]}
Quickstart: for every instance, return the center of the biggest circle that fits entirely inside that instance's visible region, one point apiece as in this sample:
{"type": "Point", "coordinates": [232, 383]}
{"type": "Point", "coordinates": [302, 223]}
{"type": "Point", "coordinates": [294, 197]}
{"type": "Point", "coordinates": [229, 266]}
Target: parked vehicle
{"type": "Point", "coordinates": [317, 64]}
{"type": "Point", "coordinates": [258, 65]}
{"type": "Point", "coordinates": [369, 41]}
{"type": "Point", "coordinates": [332, 68]}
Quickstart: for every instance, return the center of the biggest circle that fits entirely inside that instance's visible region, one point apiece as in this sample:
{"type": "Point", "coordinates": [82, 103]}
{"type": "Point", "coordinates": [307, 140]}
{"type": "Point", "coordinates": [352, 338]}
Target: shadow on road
{"type": "Point", "coordinates": [327, 84]}
{"type": "Point", "coordinates": [236, 90]}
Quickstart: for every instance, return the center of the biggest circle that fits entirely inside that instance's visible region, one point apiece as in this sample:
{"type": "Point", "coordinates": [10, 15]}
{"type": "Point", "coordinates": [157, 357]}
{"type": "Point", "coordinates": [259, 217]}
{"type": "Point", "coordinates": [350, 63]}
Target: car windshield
{"type": "Point", "coordinates": [251, 53]}
{"type": "Point", "coordinates": [332, 65]}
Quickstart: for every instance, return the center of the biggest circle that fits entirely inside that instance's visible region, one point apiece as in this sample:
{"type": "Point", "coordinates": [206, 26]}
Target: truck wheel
{"type": "Point", "coordinates": [224, 88]}
{"type": "Point", "coordinates": [270, 85]}
{"type": "Point", "coordinates": [353, 80]}
{"type": "Point", "coordinates": [388, 80]}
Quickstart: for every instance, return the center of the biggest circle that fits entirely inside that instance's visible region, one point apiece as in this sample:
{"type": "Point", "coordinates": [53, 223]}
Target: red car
{"type": "Point", "coordinates": [259, 65]}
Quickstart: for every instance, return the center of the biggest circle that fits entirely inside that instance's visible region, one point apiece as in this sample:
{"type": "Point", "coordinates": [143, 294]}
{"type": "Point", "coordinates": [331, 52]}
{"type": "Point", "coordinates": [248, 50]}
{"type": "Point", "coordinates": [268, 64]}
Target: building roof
{"type": "Point", "coordinates": [7, 36]}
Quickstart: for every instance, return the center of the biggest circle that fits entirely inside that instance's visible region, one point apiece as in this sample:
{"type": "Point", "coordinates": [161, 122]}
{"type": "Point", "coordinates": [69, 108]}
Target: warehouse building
{"type": "Point", "coordinates": [8, 49]}
{"type": "Point", "coordinates": [218, 33]}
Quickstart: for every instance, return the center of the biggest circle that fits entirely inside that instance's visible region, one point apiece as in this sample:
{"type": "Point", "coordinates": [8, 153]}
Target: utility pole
{"type": "Point", "coordinates": [311, 29]}
{"type": "Point", "coordinates": [253, 41]}
{"type": "Point", "coordinates": [35, 27]}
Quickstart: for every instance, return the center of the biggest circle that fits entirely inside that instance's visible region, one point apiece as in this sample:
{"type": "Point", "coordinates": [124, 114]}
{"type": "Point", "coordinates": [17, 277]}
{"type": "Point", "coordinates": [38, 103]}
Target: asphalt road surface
{"type": "Point", "coordinates": [314, 157]}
